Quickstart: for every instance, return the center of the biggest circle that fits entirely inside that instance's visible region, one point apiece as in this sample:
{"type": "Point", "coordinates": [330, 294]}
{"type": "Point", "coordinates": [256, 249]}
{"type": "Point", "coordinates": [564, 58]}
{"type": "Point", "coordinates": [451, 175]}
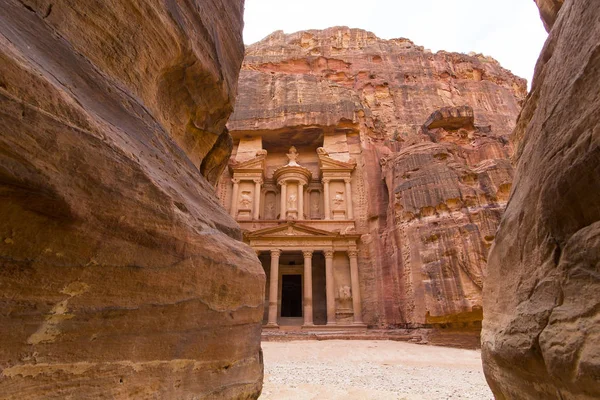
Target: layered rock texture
{"type": "Point", "coordinates": [430, 137]}
{"type": "Point", "coordinates": [542, 291]}
{"type": "Point", "coordinates": [120, 274]}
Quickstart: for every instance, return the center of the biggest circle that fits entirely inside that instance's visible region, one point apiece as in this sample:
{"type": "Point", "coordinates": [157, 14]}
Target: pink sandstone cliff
{"type": "Point", "coordinates": [430, 135]}
{"type": "Point", "coordinates": [120, 274]}
{"type": "Point", "coordinates": [541, 327]}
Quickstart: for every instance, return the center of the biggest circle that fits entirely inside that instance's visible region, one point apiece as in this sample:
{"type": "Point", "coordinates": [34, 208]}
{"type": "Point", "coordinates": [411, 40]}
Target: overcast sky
{"type": "Point", "coordinates": [509, 30]}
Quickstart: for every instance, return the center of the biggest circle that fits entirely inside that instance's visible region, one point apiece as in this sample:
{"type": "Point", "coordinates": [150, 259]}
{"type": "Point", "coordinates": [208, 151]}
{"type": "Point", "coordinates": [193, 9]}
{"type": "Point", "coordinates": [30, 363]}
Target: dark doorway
{"type": "Point", "coordinates": [291, 295]}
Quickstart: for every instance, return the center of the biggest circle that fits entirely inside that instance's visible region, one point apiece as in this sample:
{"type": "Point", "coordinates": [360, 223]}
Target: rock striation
{"type": "Point", "coordinates": [542, 294]}
{"type": "Point", "coordinates": [120, 274]}
{"type": "Point", "coordinates": [429, 133]}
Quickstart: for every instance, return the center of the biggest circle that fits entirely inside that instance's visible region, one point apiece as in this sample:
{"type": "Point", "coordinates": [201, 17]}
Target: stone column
{"type": "Point", "coordinates": [308, 298]}
{"type": "Point", "coordinates": [326, 198]}
{"type": "Point", "coordinates": [356, 300]}
{"type": "Point", "coordinates": [349, 210]}
{"type": "Point", "coordinates": [300, 200]}
{"type": "Point", "coordinates": [257, 183]}
{"type": "Point", "coordinates": [273, 289]}
{"type": "Point", "coordinates": [329, 287]}
{"type": "Point", "coordinates": [234, 197]}
{"type": "Point", "coordinates": [283, 200]}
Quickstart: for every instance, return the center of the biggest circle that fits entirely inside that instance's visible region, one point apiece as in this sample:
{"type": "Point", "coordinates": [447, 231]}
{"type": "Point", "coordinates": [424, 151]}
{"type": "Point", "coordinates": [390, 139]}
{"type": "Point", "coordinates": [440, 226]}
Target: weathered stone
{"type": "Point", "coordinates": [120, 274]}
{"type": "Point", "coordinates": [549, 11]}
{"type": "Point", "coordinates": [425, 139]}
{"type": "Point", "coordinates": [542, 290]}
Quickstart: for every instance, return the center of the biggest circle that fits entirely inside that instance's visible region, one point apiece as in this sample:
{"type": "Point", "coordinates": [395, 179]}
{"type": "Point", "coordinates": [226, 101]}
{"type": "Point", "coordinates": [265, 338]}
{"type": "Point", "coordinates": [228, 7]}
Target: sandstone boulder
{"type": "Point", "coordinates": [120, 274]}
{"type": "Point", "coordinates": [541, 324]}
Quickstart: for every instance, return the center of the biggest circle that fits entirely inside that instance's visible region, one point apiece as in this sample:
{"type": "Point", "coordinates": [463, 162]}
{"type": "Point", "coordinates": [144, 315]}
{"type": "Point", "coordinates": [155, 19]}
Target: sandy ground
{"type": "Point", "coordinates": [364, 369]}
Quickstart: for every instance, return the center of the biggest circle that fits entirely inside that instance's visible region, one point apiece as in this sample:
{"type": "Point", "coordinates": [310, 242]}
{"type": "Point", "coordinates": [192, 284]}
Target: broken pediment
{"type": "Point", "coordinates": [256, 164]}
{"type": "Point", "coordinates": [326, 163]}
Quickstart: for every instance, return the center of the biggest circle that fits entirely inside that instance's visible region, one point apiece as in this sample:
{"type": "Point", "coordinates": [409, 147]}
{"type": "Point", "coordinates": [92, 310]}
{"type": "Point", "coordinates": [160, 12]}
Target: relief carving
{"type": "Point", "coordinates": [345, 293]}
{"type": "Point", "coordinates": [315, 207]}
{"type": "Point", "coordinates": [245, 200]}
{"type": "Point", "coordinates": [292, 202]}
{"type": "Point", "coordinates": [270, 210]}
{"type": "Point", "coordinates": [338, 200]}
{"type": "Point", "coordinates": [293, 156]}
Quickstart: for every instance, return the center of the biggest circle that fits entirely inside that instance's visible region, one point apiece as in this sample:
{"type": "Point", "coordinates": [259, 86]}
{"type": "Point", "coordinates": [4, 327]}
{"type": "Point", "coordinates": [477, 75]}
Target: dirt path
{"type": "Point", "coordinates": [357, 369]}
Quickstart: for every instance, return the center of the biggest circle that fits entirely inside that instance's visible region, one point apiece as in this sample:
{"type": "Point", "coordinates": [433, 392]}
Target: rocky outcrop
{"type": "Point", "coordinates": [542, 293]}
{"type": "Point", "coordinates": [430, 137]}
{"type": "Point", "coordinates": [549, 11]}
{"type": "Point", "coordinates": [120, 274]}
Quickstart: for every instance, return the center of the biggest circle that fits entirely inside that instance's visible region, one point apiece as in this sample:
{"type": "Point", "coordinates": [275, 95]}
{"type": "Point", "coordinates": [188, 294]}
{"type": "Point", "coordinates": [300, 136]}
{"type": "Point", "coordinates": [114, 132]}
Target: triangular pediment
{"type": "Point", "coordinates": [328, 163]}
{"type": "Point", "coordinates": [253, 165]}
{"type": "Point", "coordinates": [291, 229]}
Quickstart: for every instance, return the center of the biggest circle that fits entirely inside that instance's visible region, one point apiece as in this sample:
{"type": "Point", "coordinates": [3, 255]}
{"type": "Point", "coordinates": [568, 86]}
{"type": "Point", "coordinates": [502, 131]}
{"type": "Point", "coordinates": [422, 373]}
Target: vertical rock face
{"type": "Point", "coordinates": [120, 274]}
{"type": "Point", "coordinates": [542, 291]}
{"type": "Point", "coordinates": [429, 134]}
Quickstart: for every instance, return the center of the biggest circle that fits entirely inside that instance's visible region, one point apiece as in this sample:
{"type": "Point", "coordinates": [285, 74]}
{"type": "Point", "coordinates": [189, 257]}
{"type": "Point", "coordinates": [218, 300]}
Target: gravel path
{"type": "Point", "coordinates": [362, 369]}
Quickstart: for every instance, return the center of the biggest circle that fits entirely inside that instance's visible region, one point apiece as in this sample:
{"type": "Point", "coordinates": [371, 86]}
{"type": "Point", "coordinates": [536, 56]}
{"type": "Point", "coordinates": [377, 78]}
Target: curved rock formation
{"type": "Point", "coordinates": [549, 11]}
{"type": "Point", "coordinates": [438, 123]}
{"type": "Point", "coordinates": [120, 274]}
{"type": "Point", "coordinates": [542, 294]}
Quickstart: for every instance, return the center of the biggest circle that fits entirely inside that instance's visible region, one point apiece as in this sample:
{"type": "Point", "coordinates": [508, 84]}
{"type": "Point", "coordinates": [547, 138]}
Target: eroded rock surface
{"type": "Point", "coordinates": [430, 137]}
{"type": "Point", "coordinates": [120, 274]}
{"type": "Point", "coordinates": [542, 290]}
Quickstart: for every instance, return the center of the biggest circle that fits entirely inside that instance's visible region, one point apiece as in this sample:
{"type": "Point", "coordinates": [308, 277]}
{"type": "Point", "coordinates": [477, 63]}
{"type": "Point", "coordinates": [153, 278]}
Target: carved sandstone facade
{"type": "Point", "coordinates": [300, 221]}
{"type": "Point", "coordinates": [399, 174]}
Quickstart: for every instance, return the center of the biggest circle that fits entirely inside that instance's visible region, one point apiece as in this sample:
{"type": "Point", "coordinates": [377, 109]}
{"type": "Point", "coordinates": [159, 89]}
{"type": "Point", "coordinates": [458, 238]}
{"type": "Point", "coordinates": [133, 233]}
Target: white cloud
{"type": "Point", "coordinates": [509, 30]}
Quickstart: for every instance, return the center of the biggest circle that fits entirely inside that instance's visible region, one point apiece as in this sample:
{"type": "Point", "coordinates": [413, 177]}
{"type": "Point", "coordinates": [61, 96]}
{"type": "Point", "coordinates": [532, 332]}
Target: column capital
{"type": "Point", "coordinates": [307, 253]}
{"type": "Point", "coordinates": [326, 180]}
{"type": "Point", "coordinates": [353, 253]}
{"type": "Point", "coordinates": [258, 180]}
{"type": "Point", "coordinates": [347, 180]}
{"type": "Point", "coordinates": [328, 253]}
{"type": "Point", "coordinates": [275, 252]}
{"type": "Point", "coordinates": [235, 180]}
{"type": "Point", "coordinates": [257, 252]}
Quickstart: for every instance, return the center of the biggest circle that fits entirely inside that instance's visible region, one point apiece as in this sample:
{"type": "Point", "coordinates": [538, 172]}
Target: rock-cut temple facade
{"type": "Point", "coordinates": [369, 176]}
{"type": "Point", "coordinates": [297, 211]}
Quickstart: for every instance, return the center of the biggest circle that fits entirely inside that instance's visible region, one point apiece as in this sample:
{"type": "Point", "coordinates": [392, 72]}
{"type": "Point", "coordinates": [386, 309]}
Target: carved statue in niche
{"type": "Point", "coordinates": [345, 293]}
{"type": "Point", "coordinates": [292, 202]}
{"type": "Point", "coordinates": [315, 206]}
{"type": "Point", "coordinates": [338, 200]}
{"type": "Point", "coordinates": [245, 200]}
{"type": "Point", "coordinates": [270, 210]}
{"type": "Point", "coordinates": [292, 157]}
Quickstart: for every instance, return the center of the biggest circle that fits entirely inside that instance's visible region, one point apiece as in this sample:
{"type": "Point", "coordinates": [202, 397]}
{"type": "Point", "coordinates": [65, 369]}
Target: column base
{"type": "Point", "coordinates": [271, 326]}
{"type": "Point", "coordinates": [332, 323]}
{"type": "Point", "coordinates": [308, 326]}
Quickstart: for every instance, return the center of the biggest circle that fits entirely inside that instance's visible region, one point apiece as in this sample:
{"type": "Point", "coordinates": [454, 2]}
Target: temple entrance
{"type": "Point", "coordinates": [291, 296]}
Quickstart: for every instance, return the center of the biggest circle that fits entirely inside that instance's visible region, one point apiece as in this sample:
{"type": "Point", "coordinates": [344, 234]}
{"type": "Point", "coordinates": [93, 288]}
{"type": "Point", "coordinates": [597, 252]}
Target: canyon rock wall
{"type": "Point", "coordinates": [542, 290]}
{"type": "Point", "coordinates": [430, 137]}
{"type": "Point", "coordinates": [120, 274]}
